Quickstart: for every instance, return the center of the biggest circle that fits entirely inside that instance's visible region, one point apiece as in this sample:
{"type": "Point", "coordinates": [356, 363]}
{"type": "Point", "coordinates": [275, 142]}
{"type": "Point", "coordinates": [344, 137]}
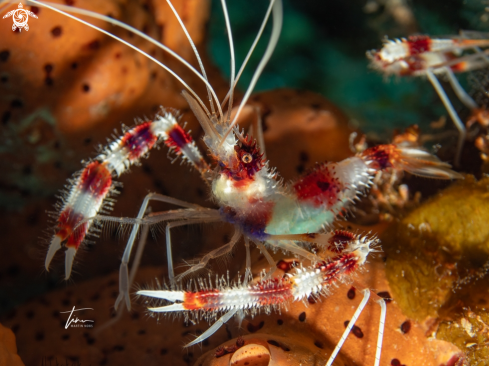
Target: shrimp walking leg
{"type": "Point", "coordinates": [292, 247]}
{"type": "Point", "coordinates": [225, 249]}
{"type": "Point", "coordinates": [264, 251]}
{"type": "Point", "coordinates": [171, 225]}
{"type": "Point", "coordinates": [451, 111]}
{"type": "Point", "coordinates": [123, 272]}
{"type": "Point", "coordinates": [248, 260]}
{"type": "Point", "coordinates": [137, 259]}
{"type": "Point", "coordinates": [462, 95]}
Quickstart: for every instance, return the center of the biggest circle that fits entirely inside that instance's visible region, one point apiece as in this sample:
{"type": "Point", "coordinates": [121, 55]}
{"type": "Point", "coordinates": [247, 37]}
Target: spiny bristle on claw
{"type": "Point", "coordinates": [412, 160]}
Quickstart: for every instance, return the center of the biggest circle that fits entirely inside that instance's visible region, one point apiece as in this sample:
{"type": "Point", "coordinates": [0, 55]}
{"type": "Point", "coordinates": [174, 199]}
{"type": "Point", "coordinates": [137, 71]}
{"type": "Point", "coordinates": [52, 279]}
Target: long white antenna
{"type": "Point", "coordinates": [250, 52]}
{"type": "Point", "coordinates": [231, 51]}
{"type": "Point", "coordinates": [366, 295]}
{"type": "Point", "coordinates": [199, 60]}
{"type": "Point", "coordinates": [57, 8]}
{"type": "Point", "coordinates": [380, 337]}
{"type": "Point", "coordinates": [277, 27]}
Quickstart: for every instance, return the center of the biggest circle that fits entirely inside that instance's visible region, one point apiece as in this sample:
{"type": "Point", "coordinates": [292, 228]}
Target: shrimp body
{"type": "Point", "coordinates": [264, 207]}
{"type": "Point", "coordinates": [412, 56]}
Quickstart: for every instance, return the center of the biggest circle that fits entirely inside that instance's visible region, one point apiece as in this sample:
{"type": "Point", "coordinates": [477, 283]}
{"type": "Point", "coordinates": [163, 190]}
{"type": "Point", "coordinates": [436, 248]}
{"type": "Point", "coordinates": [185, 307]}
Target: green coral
{"type": "Point", "coordinates": [437, 260]}
{"type": "Point", "coordinates": [470, 333]}
{"type": "Point", "coordinates": [436, 246]}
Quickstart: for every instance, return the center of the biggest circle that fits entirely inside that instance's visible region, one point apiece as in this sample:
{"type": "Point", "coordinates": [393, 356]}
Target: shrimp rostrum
{"type": "Point", "coordinates": [262, 208]}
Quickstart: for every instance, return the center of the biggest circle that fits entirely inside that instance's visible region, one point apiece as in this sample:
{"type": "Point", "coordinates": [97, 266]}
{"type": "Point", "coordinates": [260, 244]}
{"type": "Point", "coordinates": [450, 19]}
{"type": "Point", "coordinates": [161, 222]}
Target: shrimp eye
{"type": "Point", "coordinates": [247, 158]}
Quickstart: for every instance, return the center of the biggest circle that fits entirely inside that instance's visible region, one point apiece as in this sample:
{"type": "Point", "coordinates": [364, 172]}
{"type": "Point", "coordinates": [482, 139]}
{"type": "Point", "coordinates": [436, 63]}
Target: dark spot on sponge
{"type": "Point", "coordinates": [39, 336]}
{"type": "Point", "coordinates": [57, 31]}
{"type": "Point", "coordinates": [406, 326]}
{"type": "Point", "coordinates": [303, 157]}
{"type": "Point", "coordinates": [278, 344]}
{"type": "Point", "coordinates": [4, 55]}
{"type": "Point", "coordinates": [302, 316]}
{"type": "Point", "coordinates": [94, 45]}
{"type": "Point", "coordinates": [357, 332]}
{"type": "Point", "coordinates": [385, 295]}
{"type": "Point", "coordinates": [16, 103]}
{"type": "Point", "coordinates": [6, 117]}
{"type": "Point", "coordinates": [48, 68]}
{"type": "Point", "coordinates": [255, 328]}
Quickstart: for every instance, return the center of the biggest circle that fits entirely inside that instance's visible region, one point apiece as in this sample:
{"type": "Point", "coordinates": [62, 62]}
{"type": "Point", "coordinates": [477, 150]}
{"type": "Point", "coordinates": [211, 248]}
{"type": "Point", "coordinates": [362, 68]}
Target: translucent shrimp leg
{"type": "Point", "coordinates": [90, 191]}
{"type": "Point", "coordinates": [462, 95]}
{"type": "Point", "coordinates": [248, 261]}
{"type": "Point", "coordinates": [137, 259]}
{"type": "Point", "coordinates": [194, 214]}
{"type": "Point", "coordinates": [169, 255]}
{"type": "Point", "coordinates": [451, 111]}
{"type": "Point", "coordinates": [266, 293]}
{"type": "Point", "coordinates": [225, 249]}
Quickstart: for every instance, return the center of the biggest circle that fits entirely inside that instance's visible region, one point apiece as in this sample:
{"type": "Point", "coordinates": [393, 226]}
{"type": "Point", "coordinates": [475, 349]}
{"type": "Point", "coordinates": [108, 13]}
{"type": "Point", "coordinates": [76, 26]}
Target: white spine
{"type": "Point", "coordinates": [307, 282]}
{"type": "Point", "coordinates": [163, 124]}
{"type": "Point", "coordinates": [162, 294]}
{"type": "Point", "coordinates": [394, 50]}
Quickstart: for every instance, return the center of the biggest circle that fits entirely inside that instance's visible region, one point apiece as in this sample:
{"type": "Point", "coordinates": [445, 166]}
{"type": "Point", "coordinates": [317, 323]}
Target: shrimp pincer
{"type": "Point", "coordinates": [272, 293]}
{"type": "Point", "coordinates": [90, 193]}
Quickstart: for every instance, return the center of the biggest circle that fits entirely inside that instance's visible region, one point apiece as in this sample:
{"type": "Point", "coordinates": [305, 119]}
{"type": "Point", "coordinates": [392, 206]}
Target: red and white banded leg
{"type": "Point", "coordinates": [275, 292]}
{"type": "Point", "coordinates": [90, 191]}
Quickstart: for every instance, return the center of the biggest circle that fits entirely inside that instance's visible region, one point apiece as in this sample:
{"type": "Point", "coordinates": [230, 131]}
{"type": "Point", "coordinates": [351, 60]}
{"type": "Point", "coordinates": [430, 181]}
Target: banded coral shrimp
{"type": "Point", "coordinates": [435, 58]}
{"type": "Point", "coordinates": [442, 167]}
